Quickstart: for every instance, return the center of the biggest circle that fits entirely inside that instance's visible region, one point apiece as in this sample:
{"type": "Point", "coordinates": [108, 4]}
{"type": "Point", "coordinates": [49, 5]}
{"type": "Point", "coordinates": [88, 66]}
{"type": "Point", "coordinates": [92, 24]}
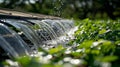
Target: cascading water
{"type": "Point", "coordinates": [27, 31]}
{"type": "Point", "coordinates": [25, 37]}
{"type": "Point", "coordinates": [7, 47]}
{"type": "Point", "coordinates": [14, 41]}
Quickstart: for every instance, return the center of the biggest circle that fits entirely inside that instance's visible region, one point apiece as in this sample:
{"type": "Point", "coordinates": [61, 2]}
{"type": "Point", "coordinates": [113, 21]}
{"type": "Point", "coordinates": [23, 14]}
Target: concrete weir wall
{"type": "Point", "coordinates": [12, 13]}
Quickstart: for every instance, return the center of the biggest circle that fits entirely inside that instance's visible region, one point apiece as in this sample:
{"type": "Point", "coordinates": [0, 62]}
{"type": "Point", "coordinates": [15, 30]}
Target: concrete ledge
{"type": "Point", "coordinates": [9, 14]}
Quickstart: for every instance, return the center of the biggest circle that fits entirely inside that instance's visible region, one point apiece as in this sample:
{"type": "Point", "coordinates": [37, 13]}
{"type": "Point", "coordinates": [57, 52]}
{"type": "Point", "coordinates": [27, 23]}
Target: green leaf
{"type": "Point", "coordinates": [55, 50]}
{"type": "Point", "coordinates": [107, 58]}
{"type": "Point", "coordinates": [102, 31]}
{"type": "Point", "coordinates": [76, 54]}
{"type": "Point", "coordinates": [86, 44]}
{"type": "Point", "coordinates": [96, 52]}
{"type": "Point", "coordinates": [24, 61]}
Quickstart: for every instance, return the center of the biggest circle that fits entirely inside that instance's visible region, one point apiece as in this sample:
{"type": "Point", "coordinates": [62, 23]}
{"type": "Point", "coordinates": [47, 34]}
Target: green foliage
{"type": "Point", "coordinates": [97, 29]}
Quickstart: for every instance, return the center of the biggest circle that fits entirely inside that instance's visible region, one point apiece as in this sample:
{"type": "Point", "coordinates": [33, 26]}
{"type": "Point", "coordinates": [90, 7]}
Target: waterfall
{"type": "Point", "coordinates": [25, 37]}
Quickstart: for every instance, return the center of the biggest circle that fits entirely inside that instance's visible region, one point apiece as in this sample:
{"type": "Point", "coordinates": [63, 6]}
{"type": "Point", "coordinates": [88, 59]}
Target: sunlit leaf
{"type": "Point", "coordinates": [102, 31]}
{"type": "Point", "coordinates": [86, 44]}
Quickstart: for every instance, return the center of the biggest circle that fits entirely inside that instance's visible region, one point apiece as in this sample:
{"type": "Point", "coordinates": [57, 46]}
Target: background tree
{"type": "Point", "coordinates": [63, 8]}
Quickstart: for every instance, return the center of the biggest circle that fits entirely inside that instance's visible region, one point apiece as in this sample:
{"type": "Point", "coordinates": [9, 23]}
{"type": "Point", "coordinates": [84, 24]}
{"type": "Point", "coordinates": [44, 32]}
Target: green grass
{"type": "Point", "coordinates": [97, 45]}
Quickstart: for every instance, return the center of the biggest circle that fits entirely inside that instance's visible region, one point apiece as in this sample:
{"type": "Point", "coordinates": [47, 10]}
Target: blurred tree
{"type": "Point", "coordinates": [64, 8]}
